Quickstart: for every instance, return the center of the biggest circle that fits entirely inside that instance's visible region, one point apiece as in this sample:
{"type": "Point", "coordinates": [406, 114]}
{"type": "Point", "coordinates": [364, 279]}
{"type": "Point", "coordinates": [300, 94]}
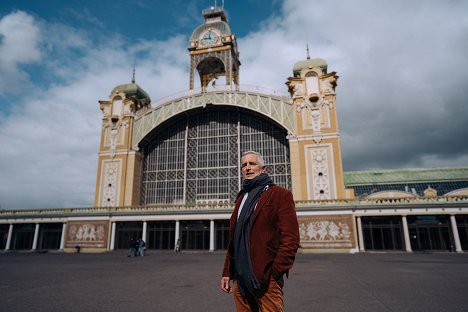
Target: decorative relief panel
{"type": "Point", "coordinates": [91, 234]}
{"type": "Point", "coordinates": [114, 135]}
{"type": "Point", "coordinates": [110, 183]}
{"type": "Point", "coordinates": [327, 231]}
{"type": "Point", "coordinates": [315, 106]}
{"type": "Point", "coordinates": [321, 175]}
{"type": "Point", "coordinates": [317, 119]}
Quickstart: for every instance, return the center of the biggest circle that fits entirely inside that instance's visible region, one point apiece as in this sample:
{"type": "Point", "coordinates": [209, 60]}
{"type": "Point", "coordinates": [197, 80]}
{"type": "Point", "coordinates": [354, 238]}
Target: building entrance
{"type": "Point", "coordinates": [222, 234]}
{"type": "Point", "coordinates": [430, 233]}
{"type": "Point", "coordinates": [195, 234]}
{"type": "Point", "coordinates": [160, 235]}
{"type": "Point", "coordinates": [50, 235]}
{"type": "Point", "coordinates": [23, 236]}
{"type": "Point", "coordinates": [382, 233]}
{"type": "Point", "coordinates": [125, 232]}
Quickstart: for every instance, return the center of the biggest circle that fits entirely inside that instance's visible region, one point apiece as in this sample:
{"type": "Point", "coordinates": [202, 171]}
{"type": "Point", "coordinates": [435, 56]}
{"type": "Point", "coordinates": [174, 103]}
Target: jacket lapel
{"type": "Point", "coordinates": [263, 199]}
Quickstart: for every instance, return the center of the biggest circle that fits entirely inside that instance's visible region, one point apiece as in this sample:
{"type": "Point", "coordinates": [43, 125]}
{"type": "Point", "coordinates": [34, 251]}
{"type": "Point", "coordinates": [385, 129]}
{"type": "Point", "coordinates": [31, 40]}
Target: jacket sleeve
{"type": "Point", "coordinates": [289, 236]}
{"type": "Point", "coordinates": [228, 269]}
{"type": "Point", "coordinates": [228, 263]}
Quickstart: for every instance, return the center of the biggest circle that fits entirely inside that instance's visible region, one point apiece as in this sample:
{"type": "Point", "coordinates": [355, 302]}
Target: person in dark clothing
{"type": "Point", "coordinates": [141, 247]}
{"type": "Point", "coordinates": [132, 249]}
{"type": "Point", "coordinates": [177, 247]}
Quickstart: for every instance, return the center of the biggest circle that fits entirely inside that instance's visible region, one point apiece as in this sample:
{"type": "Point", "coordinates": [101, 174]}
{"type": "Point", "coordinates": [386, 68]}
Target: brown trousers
{"type": "Point", "coordinates": [271, 301]}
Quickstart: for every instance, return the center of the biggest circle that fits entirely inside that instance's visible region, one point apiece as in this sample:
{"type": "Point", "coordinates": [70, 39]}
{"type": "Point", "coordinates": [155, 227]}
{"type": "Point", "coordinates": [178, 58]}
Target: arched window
{"type": "Point", "coordinates": [195, 157]}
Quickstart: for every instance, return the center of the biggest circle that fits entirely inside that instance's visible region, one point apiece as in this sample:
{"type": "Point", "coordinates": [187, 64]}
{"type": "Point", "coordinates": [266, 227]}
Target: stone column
{"type": "Point", "coordinates": [62, 239]}
{"type": "Point", "coordinates": [10, 234]}
{"type": "Point", "coordinates": [177, 230]}
{"type": "Point", "coordinates": [406, 234]}
{"type": "Point", "coordinates": [456, 237]}
{"type": "Point", "coordinates": [360, 235]}
{"type": "Point", "coordinates": [212, 235]}
{"type": "Point", "coordinates": [36, 235]}
{"type": "Point", "coordinates": [145, 228]}
{"type": "Point", "coordinates": [112, 238]}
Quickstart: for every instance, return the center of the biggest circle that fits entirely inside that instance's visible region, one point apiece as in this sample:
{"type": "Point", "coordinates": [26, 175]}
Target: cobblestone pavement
{"type": "Point", "coordinates": [163, 281]}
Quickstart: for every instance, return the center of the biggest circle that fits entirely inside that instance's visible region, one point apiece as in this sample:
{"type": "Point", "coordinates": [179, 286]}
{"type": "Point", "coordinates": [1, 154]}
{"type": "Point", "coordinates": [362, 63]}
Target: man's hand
{"type": "Point", "coordinates": [226, 284]}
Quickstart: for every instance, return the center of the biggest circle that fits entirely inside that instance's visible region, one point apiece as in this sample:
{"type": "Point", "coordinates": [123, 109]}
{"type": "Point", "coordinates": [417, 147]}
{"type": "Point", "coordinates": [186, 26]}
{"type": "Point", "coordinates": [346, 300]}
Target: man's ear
{"type": "Point", "coordinates": [264, 169]}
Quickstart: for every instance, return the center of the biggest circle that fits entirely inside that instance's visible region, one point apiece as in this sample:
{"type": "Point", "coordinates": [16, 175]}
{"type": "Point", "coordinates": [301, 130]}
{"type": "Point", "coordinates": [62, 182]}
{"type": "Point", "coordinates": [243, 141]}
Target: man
{"type": "Point", "coordinates": [263, 240]}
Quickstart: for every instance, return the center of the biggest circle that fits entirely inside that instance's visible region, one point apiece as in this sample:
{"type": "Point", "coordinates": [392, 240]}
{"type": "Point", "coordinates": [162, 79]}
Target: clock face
{"type": "Point", "coordinates": [210, 37]}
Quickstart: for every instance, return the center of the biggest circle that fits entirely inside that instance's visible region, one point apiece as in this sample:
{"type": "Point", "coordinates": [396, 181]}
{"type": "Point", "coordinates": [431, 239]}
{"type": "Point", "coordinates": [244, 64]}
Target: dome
{"type": "Point", "coordinates": [131, 90]}
{"type": "Point", "coordinates": [221, 26]}
{"type": "Point", "coordinates": [309, 63]}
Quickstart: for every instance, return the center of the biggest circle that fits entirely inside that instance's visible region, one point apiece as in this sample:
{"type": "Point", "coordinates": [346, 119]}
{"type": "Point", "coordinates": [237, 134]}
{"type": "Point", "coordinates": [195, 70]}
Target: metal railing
{"type": "Point", "coordinates": [222, 88]}
{"type": "Point", "coordinates": [224, 207]}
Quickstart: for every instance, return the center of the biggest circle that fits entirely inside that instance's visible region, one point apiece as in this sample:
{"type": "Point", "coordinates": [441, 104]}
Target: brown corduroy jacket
{"type": "Point", "coordinates": [274, 237]}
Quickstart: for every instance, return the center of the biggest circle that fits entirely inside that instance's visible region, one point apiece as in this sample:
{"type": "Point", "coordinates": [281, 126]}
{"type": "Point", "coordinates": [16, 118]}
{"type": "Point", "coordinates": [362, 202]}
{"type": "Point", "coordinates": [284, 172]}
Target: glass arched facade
{"type": "Point", "coordinates": [195, 156]}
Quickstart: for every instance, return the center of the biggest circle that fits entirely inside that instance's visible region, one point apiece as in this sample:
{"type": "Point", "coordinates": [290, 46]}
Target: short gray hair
{"type": "Point", "coordinates": [260, 159]}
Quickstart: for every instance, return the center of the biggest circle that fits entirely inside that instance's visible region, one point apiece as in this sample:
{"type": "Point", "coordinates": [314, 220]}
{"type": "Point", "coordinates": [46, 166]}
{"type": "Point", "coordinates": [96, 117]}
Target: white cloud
{"type": "Point", "coordinates": [50, 144]}
{"type": "Point", "coordinates": [19, 45]}
{"type": "Point", "coordinates": [401, 94]}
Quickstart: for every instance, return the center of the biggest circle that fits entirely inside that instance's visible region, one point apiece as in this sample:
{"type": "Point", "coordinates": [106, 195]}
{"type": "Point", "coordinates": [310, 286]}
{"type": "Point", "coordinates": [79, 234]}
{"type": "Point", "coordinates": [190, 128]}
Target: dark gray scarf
{"type": "Point", "coordinates": [246, 280]}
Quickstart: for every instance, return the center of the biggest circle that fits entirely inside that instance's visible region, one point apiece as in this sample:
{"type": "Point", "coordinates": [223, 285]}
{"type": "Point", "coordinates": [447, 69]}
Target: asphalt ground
{"type": "Point", "coordinates": [164, 281]}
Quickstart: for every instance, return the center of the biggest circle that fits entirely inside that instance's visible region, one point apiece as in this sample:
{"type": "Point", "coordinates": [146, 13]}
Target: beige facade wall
{"type": "Point", "coordinates": [132, 181]}
{"type": "Point", "coordinates": [297, 171]}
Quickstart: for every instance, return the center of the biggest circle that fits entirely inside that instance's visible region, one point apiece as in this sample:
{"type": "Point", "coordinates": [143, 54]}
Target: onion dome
{"type": "Point", "coordinates": [132, 90]}
{"type": "Point", "coordinates": [309, 63]}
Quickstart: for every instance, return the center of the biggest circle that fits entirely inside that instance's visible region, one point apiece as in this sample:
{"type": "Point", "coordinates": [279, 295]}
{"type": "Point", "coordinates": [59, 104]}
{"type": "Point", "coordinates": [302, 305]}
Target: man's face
{"type": "Point", "coordinates": [251, 167]}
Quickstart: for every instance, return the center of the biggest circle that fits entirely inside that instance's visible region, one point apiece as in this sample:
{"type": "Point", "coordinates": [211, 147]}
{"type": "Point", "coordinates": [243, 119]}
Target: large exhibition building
{"type": "Point", "coordinates": [171, 170]}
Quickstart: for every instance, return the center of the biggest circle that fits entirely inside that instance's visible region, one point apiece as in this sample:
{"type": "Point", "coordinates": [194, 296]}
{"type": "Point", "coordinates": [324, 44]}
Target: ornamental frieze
{"type": "Point", "coordinates": [327, 231]}
{"type": "Point", "coordinates": [90, 234]}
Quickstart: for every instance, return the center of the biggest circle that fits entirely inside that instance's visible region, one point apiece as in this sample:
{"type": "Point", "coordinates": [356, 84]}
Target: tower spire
{"type": "Point", "coordinates": [133, 77]}
{"type": "Point", "coordinates": [308, 55]}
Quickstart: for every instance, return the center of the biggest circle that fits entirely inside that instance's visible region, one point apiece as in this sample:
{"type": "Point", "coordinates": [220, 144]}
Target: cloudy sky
{"type": "Point", "coordinates": [402, 95]}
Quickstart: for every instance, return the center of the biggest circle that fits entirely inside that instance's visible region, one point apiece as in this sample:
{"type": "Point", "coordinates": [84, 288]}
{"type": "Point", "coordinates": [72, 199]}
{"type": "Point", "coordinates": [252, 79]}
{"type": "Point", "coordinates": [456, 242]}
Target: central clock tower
{"type": "Point", "coordinates": [213, 51]}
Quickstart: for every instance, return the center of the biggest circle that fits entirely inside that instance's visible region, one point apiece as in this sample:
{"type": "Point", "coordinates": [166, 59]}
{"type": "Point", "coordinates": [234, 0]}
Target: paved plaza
{"type": "Point", "coordinates": [163, 281]}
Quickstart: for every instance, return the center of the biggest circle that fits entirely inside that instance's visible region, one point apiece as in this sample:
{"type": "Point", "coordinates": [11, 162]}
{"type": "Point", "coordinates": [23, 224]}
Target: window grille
{"type": "Point", "coordinates": [196, 157]}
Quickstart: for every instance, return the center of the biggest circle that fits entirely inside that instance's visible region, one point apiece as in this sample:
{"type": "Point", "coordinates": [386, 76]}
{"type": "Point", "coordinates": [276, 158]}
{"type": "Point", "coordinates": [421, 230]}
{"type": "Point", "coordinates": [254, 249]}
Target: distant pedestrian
{"type": "Point", "coordinates": [141, 247]}
{"type": "Point", "coordinates": [132, 248]}
{"type": "Point", "coordinates": [177, 247]}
